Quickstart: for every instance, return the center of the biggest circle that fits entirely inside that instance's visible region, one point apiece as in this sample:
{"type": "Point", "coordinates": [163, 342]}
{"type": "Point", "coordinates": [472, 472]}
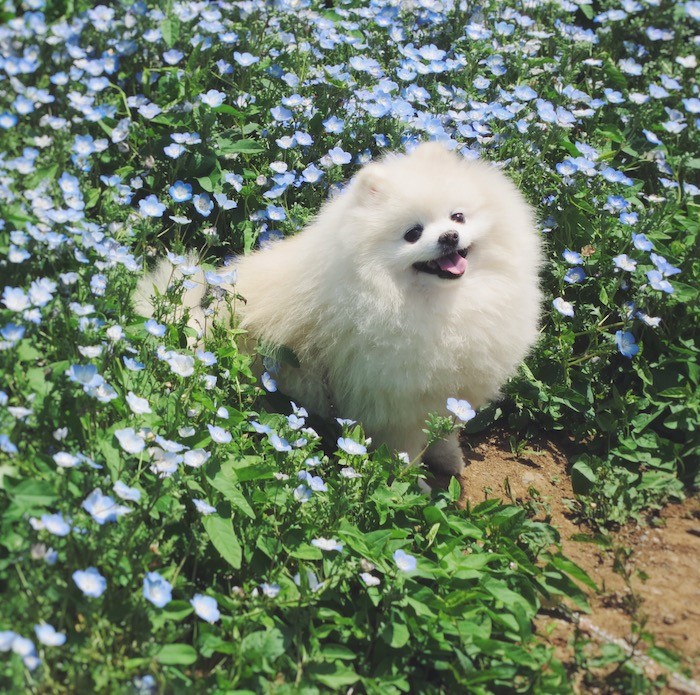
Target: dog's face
{"type": "Point", "coordinates": [426, 221]}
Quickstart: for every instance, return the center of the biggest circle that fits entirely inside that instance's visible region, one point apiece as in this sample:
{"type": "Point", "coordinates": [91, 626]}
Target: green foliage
{"type": "Point", "coordinates": [329, 570]}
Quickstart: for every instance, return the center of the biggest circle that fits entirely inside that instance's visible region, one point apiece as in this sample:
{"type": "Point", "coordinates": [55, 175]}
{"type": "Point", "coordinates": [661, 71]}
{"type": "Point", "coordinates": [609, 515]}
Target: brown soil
{"type": "Point", "coordinates": [647, 574]}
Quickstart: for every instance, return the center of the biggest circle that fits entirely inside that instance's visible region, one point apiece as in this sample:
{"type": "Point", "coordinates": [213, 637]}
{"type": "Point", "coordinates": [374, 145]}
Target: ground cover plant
{"type": "Point", "coordinates": [161, 528]}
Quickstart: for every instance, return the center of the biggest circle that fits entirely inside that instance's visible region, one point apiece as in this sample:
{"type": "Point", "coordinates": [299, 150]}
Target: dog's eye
{"type": "Point", "coordinates": [457, 217]}
{"type": "Point", "coordinates": [413, 234]}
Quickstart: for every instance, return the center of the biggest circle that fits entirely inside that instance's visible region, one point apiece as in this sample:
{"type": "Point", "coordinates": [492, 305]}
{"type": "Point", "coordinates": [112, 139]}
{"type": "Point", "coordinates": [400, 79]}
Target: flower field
{"type": "Point", "coordinates": [162, 527]}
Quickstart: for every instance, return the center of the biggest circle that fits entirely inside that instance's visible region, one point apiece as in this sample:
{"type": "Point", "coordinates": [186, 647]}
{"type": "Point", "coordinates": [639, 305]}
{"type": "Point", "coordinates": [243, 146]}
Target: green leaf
{"type": "Point", "coordinates": [573, 570]}
{"type": "Point", "coordinates": [176, 655]}
{"type": "Point", "coordinates": [454, 489]}
{"type": "Point", "coordinates": [31, 494]}
{"type": "Point", "coordinates": [170, 28]}
{"type": "Point", "coordinates": [223, 538]}
{"type": "Point", "coordinates": [263, 644]}
{"type": "Point", "coordinates": [336, 676]}
{"type": "Point", "coordinates": [232, 492]}
{"type": "Point", "coordinates": [305, 552]}
{"type": "Point", "coordinates": [245, 146]}
{"type": "Point", "coordinates": [337, 651]}
{"type": "Point", "coordinates": [177, 610]}
{"type": "Point", "coordinates": [395, 634]}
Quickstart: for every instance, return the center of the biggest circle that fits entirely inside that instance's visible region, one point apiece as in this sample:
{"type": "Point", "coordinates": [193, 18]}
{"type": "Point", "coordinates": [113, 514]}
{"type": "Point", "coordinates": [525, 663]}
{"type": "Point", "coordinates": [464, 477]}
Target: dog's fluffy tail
{"type": "Point", "coordinates": [161, 279]}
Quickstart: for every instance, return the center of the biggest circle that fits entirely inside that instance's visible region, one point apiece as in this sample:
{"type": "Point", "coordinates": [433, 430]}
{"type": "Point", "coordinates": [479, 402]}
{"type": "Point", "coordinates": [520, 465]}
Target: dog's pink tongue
{"type": "Point", "coordinates": [453, 263]}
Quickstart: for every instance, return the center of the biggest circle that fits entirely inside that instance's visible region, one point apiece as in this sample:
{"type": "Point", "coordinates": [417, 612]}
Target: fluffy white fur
{"type": "Point", "coordinates": [379, 341]}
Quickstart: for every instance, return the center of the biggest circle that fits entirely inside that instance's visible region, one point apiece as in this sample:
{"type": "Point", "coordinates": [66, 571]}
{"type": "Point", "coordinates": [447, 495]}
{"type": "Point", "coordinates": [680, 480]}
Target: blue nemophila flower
{"type": "Point", "coordinates": [461, 408]}
{"type": "Point", "coordinates": [245, 59]}
{"type": "Point", "coordinates": [41, 291]}
{"type": "Point", "coordinates": [624, 262]}
{"type": "Point", "coordinates": [213, 98]}
{"type": "Point", "coordinates": [205, 607]}
{"type": "Point", "coordinates": [327, 544]}
{"type": "Point", "coordinates": [90, 582]}
{"type": "Point", "coordinates": [659, 282]}
{"type": "Point", "coordinates": [151, 207]}
{"type": "Point", "coordinates": [281, 114]}
{"type": "Point", "coordinates": [173, 150]}
{"type": "Point", "coordinates": [203, 204]}
{"type": "Point", "coordinates": [103, 508]}
{"type": "Point", "coordinates": [224, 202]}
{"type": "Point", "coordinates": [24, 647]}
{"type": "Point", "coordinates": [270, 590]}
{"type": "Point", "coordinates": [125, 492]}
{"type": "Point", "coordinates": [133, 365]}
{"type": "Point", "coordinates": [302, 493]}
{"type": "Point", "coordinates": [260, 428]}
{"type": "Point", "coordinates": [17, 255]}
{"type": "Point", "coordinates": [7, 637]}
{"type": "Point", "coordinates": [15, 299]}
{"type": "Point", "coordinates": [180, 192]}
{"type": "Point", "coordinates": [350, 446]}
{"type": "Point", "coordinates": [404, 561]}
{"type": "Point", "coordinates": [311, 174]}
{"type": "Point", "coordinates": [203, 507]}
{"type": "Point", "coordinates": [149, 111]}
{"type": "Point", "coordinates": [173, 56]}
{"type": "Point", "coordinates": [574, 275]}
{"type": "Point", "coordinates": [157, 589]}
{"type": "Point", "coordinates": [219, 434]}
{"type": "Point", "coordinates": [370, 579]}
{"type": "Point", "coordinates": [64, 459]}
{"type": "Point", "coordinates": [86, 375]}
{"type": "Point", "coordinates": [314, 482]}
{"type": "Point", "coordinates": [663, 266]}
{"type": "Point", "coordinates": [295, 422]}
{"type": "Point", "coordinates": [182, 365]}
{"type": "Point", "coordinates": [12, 333]}
{"type": "Point", "coordinates": [55, 524]}
{"type": "Point", "coordinates": [563, 307]}
{"type": "Point", "coordinates": [279, 443]}
{"type": "Point", "coordinates": [49, 636]}
{"type": "Point", "coordinates": [6, 445]}
{"type": "Point", "coordinates": [641, 242]}
{"type": "Point", "coordinates": [286, 142]}
{"type": "Point", "coordinates": [567, 168]}
{"type": "Point", "coordinates": [8, 120]}
{"type": "Point", "coordinates": [334, 125]}
{"type": "Point", "coordinates": [268, 382]}
{"type": "Point", "coordinates": [130, 441]}
{"type": "Point", "coordinates": [572, 257]}
{"type": "Point", "coordinates": [137, 405]}
{"type": "Point", "coordinates": [692, 105]}
{"type": "Point", "coordinates": [275, 213]}
{"type": "Point", "coordinates": [339, 156]}
{"type": "Point", "coordinates": [626, 344]}
{"type": "Point", "coordinates": [196, 458]}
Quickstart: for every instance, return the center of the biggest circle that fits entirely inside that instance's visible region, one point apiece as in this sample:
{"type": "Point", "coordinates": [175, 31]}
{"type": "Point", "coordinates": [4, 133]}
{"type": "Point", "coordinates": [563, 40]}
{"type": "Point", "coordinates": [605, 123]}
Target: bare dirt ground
{"type": "Point", "coordinates": [648, 575]}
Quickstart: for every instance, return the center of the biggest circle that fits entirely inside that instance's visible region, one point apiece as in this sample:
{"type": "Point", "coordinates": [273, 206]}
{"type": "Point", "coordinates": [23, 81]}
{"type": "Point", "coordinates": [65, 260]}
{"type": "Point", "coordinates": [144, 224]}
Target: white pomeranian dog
{"type": "Point", "coordinates": [417, 283]}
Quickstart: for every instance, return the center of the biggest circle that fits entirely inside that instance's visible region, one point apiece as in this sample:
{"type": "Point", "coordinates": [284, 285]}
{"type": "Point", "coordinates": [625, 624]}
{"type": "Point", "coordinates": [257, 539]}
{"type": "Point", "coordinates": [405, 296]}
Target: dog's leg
{"type": "Point", "coordinates": [445, 456]}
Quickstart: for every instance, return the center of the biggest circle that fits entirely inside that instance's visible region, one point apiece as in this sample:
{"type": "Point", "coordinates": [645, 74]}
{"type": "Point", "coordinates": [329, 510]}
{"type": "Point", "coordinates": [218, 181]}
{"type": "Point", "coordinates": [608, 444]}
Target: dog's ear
{"type": "Point", "coordinates": [370, 181]}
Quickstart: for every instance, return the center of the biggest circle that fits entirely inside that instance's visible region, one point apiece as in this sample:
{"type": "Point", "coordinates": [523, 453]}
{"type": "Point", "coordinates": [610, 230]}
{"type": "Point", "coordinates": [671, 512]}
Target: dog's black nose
{"type": "Point", "coordinates": [450, 238]}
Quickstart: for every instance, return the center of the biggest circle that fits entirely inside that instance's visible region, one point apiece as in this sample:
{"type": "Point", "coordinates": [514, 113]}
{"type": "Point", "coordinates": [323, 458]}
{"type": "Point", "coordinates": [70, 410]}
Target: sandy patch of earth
{"type": "Point", "coordinates": [647, 575]}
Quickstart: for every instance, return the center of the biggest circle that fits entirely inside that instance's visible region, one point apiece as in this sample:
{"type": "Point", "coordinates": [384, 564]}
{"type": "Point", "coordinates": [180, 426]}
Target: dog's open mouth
{"type": "Point", "coordinates": [449, 267]}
